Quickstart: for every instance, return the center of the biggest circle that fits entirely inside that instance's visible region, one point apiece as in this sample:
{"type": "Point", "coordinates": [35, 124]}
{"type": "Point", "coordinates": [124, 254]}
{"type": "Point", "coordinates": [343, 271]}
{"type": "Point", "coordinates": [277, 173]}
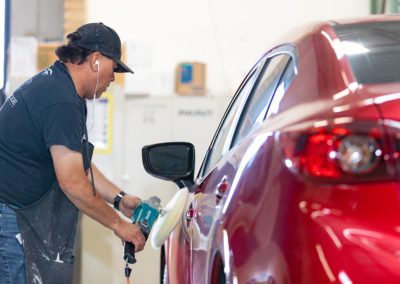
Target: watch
{"type": "Point", "coordinates": [118, 199]}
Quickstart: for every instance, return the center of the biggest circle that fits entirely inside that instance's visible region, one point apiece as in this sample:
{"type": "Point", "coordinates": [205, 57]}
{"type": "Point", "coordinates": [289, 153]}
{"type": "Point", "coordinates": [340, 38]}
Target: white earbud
{"type": "Point", "coordinates": [98, 65]}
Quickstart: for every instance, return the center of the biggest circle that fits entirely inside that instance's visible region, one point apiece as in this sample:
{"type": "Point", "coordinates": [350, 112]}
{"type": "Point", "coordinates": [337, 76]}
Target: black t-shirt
{"type": "Point", "coordinates": [46, 110]}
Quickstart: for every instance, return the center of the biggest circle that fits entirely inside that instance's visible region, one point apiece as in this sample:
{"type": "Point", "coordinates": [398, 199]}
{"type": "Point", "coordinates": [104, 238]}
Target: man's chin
{"type": "Point", "coordinates": [98, 96]}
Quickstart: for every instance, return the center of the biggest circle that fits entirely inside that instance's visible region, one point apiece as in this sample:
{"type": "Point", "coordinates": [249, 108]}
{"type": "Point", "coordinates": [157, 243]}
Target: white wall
{"type": "Point", "coordinates": [228, 35]}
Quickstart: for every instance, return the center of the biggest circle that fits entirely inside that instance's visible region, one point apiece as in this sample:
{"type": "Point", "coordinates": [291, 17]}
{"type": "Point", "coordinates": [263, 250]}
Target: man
{"type": "Point", "coordinates": [45, 162]}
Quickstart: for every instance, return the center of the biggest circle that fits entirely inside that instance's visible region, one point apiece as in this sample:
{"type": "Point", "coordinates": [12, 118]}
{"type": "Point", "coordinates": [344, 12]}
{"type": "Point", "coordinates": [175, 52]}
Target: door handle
{"type": "Point", "coordinates": [190, 214]}
{"type": "Point", "coordinates": [222, 188]}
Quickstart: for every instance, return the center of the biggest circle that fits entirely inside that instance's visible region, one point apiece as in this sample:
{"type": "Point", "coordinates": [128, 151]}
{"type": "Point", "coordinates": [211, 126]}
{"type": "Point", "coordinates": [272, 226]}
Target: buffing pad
{"type": "Point", "coordinates": [166, 223]}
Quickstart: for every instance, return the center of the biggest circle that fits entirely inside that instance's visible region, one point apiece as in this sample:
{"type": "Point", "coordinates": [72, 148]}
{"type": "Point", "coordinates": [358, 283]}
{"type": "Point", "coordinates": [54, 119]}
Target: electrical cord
{"type": "Point", "coordinates": [128, 271]}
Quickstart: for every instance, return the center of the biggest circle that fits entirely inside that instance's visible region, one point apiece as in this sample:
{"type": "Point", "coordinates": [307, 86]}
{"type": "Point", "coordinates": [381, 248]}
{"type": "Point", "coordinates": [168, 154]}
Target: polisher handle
{"type": "Point", "coordinates": [129, 252]}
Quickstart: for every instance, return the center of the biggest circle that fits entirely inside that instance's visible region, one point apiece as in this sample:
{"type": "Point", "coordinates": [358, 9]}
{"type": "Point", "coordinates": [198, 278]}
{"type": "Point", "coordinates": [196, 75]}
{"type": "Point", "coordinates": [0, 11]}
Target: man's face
{"type": "Point", "coordinates": [105, 74]}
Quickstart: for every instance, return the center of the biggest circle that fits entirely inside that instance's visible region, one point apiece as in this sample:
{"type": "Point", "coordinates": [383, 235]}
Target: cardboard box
{"type": "Point", "coordinates": [191, 78]}
{"type": "Point", "coordinates": [46, 55]}
{"type": "Point", "coordinates": [120, 77]}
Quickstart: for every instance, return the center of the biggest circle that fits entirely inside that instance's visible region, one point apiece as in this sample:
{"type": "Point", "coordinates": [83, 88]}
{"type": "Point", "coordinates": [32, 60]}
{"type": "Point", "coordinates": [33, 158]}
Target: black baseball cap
{"type": "Point", "coordinates": [101, 38]}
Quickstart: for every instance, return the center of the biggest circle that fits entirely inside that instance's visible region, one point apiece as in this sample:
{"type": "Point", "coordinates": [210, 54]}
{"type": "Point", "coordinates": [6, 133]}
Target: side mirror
{"type": "Point", "coordinates": [173, 161]}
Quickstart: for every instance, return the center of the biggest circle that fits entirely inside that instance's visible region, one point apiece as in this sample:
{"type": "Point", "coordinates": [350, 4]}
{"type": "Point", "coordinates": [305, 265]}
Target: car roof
{"type": "Point", "coordinates": [327, 30]}
{"type": "Point", "coordinates": [314, 27]}
{"type": "Point", "coordinates": [372, 18]}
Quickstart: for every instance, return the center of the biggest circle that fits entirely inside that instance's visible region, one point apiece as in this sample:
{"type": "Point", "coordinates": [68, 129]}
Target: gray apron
{"type": "Point", "coordinates": [48, 229]}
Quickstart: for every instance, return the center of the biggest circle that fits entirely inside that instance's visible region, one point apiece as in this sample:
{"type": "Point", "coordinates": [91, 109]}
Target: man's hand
{"type": "Point", "coordinates": [130, 233]}
{"type": "Point", "coordinates": [128, 204]}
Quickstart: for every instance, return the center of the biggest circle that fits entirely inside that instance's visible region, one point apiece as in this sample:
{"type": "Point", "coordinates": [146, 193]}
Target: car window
{"type": "Point", "coordinates": [222, 138]}
{"type": "Point", "coordinates": [373, 50]}
{"type": "Point", "coordinates": [257, 104]}
{"type": "Point", "coordinates": [283, 85]}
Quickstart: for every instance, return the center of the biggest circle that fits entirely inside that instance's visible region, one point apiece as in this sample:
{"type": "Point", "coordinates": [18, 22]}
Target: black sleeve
{"type": "Point", "coordinates": [63, 125]}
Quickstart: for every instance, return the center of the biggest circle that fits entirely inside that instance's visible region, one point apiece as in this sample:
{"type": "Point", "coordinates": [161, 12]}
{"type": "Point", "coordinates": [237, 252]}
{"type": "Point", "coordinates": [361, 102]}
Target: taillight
{"type": "Point", "coordinates": [319, 155]}
{"type": "Point", "coordinates": [359, 154]}
{"type": "Point", "coordinates": [349, 152]}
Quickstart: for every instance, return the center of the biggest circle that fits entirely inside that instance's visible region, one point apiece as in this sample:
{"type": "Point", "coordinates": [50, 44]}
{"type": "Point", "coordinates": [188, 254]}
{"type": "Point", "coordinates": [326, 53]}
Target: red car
{"type": "Point", "coordinates": [301, 181]}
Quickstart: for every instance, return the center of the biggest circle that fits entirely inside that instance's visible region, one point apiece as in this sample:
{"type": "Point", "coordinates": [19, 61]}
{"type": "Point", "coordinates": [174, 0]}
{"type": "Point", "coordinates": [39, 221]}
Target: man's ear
{"type": "Point", "coordinates": [94, 61]}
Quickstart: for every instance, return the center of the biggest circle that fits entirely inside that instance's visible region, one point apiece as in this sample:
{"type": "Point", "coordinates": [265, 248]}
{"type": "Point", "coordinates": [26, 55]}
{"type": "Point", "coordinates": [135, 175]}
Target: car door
{"type": "Point", "coordinates": [246, 112]}
{"type": "Point", "coordinates": [250, 209]}
{"type": "Point", "coordinates": [201, 210]}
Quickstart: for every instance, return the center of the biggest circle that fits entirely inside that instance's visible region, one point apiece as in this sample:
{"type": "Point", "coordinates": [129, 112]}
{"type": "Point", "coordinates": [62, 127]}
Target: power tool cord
{"type": "Point", "coordinates": [128, 271]}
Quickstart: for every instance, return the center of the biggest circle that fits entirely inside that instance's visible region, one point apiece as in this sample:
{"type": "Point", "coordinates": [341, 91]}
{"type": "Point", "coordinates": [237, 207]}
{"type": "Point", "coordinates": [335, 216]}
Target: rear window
{"type": "Point", "coordinates": [373, 50]}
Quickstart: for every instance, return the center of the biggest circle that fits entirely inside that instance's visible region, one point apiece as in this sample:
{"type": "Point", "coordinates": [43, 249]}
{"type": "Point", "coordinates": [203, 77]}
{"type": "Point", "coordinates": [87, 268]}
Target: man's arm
{"type": "Point", "coordinates": [77, 187]}
{"type": "Point", "coordinates": [109, 191]}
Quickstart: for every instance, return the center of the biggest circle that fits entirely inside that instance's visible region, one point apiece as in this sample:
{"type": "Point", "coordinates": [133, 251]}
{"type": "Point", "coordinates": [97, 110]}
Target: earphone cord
{"type": "Point", "coordinates": [94, 96]}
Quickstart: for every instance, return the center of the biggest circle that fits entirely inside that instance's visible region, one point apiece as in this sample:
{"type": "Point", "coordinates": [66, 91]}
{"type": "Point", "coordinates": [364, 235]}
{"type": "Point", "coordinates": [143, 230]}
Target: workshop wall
{"type": "Point", "coordinates": [227, 35]}
{"type": "Point", "coordinates": [33, 18]}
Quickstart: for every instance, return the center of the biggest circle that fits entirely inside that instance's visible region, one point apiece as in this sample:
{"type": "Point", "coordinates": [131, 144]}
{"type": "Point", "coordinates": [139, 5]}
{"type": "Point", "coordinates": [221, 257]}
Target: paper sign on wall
{"type": "Point", "coordinates": [99, 123]}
